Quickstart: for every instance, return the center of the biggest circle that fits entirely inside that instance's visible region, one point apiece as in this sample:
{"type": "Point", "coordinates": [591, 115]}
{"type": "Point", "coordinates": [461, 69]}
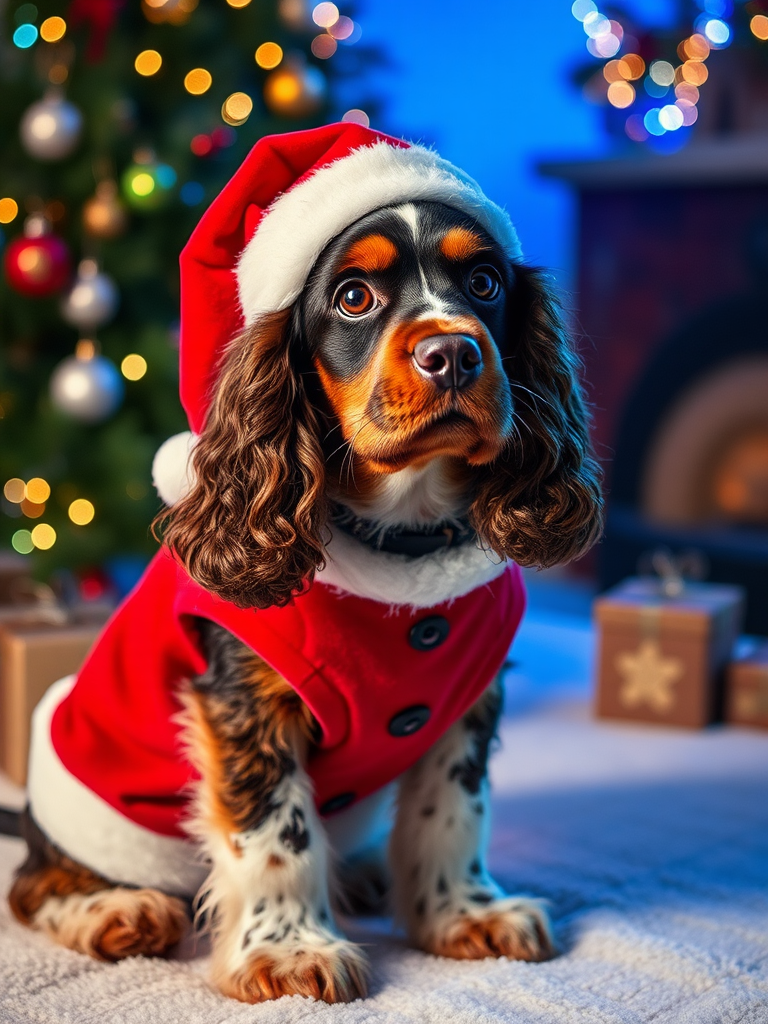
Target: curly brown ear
{"type": "Point", "coordinates": [250, 530]}
{"type": "Point", "coordinates": [540, 503]}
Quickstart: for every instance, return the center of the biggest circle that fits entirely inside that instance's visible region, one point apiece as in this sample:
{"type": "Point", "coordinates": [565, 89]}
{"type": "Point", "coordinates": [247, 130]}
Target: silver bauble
{"type": "Point", "coordinates": [50, 129]}
{"type": "Point", "coordinates": [89, 390]}
{"type": "Point", "coordinates": [92, 300]}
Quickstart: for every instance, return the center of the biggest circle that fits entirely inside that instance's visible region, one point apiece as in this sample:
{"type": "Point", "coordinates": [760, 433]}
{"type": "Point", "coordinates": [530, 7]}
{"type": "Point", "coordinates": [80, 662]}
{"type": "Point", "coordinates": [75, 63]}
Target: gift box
{"type": "Point", "coordinates": [663, 652]}
{"type": "Point", "coordinates": [37, 646]}
{"type": "Point", "coordinates": [746, 695]}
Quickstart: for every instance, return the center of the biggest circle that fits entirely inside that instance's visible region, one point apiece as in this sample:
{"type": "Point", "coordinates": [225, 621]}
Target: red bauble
{"type": "Point", "coordinates": [37, 266]}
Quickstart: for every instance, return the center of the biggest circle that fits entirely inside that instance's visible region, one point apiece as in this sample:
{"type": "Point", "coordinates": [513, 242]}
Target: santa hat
{"type": "Point", "coordinates": [255, 246]}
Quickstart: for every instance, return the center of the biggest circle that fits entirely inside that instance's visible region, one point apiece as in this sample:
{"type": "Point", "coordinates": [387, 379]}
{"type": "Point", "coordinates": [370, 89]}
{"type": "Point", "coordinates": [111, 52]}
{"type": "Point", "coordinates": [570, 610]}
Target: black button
{"type": "Point", "coordinates": [409, 720]}
{"type": "Point", "coordinates": [337, 803]}
{"type": "Point", "coordinates": [429, 633]}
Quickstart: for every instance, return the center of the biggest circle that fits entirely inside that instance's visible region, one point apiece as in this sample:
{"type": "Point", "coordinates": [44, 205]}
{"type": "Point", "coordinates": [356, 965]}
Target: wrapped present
{"type": "Point", "coordinates": [663, 648]}
{"type": "Point", "coordinates": [746, 695]}
{"type": "Point", "coordinates": [14, 577]}
{"type": "Point", "coordinates": [38, 646]}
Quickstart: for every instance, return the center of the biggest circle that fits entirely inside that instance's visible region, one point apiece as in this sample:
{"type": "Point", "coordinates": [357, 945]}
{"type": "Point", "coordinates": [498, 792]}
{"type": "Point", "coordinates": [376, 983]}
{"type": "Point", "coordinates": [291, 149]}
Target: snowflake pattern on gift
{"type": "Point", "coordinates": [649, 678]}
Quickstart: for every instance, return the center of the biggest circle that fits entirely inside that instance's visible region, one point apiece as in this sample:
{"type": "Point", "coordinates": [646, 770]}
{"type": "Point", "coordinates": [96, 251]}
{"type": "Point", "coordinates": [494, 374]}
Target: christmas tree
{"type": "Point", "coordinates": [120, 121]}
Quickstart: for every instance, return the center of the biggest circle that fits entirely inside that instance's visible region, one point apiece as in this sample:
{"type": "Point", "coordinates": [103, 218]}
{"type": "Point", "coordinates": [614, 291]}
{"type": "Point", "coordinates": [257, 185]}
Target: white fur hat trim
{"type": "Point", "coordinates": [276, 262]}
{"type": "Point", "coordinates": [172, 472]}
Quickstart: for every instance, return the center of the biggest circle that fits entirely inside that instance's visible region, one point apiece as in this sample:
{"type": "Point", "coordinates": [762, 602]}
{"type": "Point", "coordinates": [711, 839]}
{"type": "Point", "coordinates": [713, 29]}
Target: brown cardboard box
{"type": "Point", "coordinates": [661, 657]}
{"type": "Point", "coordinates": [746, 693]}
{"type": "Point", "coordinates": [34, 653]}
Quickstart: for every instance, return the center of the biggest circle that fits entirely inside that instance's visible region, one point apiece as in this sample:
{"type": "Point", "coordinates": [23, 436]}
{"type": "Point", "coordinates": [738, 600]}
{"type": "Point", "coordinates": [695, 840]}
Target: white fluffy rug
{"type": "Point", "coordinates": [651, 845]}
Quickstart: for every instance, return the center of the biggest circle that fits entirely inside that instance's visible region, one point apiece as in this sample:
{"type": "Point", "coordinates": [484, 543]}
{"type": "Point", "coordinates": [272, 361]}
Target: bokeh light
{"type": "Point", "coordinates": [53, 29]}
{"type": "Point", "coordinates": [759, 26]}
{"type": "Point", "coordinates": [197, 81]}
{"type": "Point", "coordinates": [325, 15]}
{"type": "Point", "coordinates": [581, 8]}
{"type": "Point", "coordinates": [238, 3]}
{"type": "Point", "coordinates": [191, 193]}
{"type": "Point", "coordinates": [38, 490]}
{"type": "Point", "coordinates": [148, 62]}
{"type": "Point", "coordinates": [688, 109]}
{"type": "Point", "coordinates": [32, 509]}
{"type": "Point", "coordinates": [43, 536]}
{"type": "Point", "coordinates": [9, 209]}
{"type": "Point", "coordinates": [133, 367]}
{"type": "Point", "coordinates": [634, 65]}
{"type": "Point", "coordinates": [662, 72]}
{"type": "Point", "coordinates": [635, 129]}
{"type": "Point", "coordinates": [652, 123]}
{"type": "Point", "coordinates": [671, 117]}
{"type": "Point", "coordinates": [718, 32]}
{"type": "Point", "coordinates": [357, 116]}
{"type": "Point", "coordinates": [695, 72]}
{"type": "Point", "coordinates": [323, 46]}
{"type": "Point", "coordinates": [342, 29]}
{"type": "Point", "coordinates": [15, 490]}
{"type": "Point", "coordinates": [25, 36]}
{"type": "Point", "coordinates": [621, 94]}
{"type": "Point", "coordinates": [236, 108]}
{"type": "Point", "coordinates": [142, 184]}
{"type": "Point", "coordinates": [269, 55]}
{"type": "Point", "coordinates": [81, 512]}
{"type": "Point", "coordinates": [201, 145]}
{"type": "Point", "coordinates": [686, 91]}
{"type": "Point", "coordinates": [22, 542]}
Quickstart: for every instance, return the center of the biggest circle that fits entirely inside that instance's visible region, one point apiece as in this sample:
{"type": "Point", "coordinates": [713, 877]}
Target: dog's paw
{"type": "Point", "coordinates": [335, 972]}
{"type": "Point", "coordinates": [515, 927]}
{"type": "Point", "coordinates": [114, 923]}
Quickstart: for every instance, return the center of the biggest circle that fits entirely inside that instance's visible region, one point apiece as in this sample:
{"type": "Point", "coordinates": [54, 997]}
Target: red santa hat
{"type": "Point", "coordinates": [255, 246]}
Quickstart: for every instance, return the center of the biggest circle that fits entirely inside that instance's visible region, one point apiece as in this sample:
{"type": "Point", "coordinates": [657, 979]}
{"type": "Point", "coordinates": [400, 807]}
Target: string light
{"type": "Point", "coordinates": [43, 536]}
{"type": "Point", "coordinates": [9, 208]}
{"type": "Point", "coordinates": [81, 512]}
{"type": "Point", "coordinates": [269, 55]}
{"type": "Point", "coordinates": [133, 367]}
{"type": "Point", "coordinates": [53, 29]}
{"type": "Point", "coordinates": [148, 63]}
{"type": "Point", "coordinates": [604, 40]}
{"type": "Point", "coordinates": [197, 81]}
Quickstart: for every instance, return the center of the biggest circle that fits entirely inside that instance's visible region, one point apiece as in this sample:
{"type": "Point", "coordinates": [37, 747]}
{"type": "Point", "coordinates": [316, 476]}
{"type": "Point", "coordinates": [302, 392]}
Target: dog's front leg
{"type": "Point", "coordinates": [267, 893]}
{"type": "Point", "coordinates": [443, 892]}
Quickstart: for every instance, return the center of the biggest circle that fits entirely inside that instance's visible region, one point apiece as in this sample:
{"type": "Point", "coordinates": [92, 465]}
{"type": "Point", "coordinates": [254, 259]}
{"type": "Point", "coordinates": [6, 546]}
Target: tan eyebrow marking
{"type": "Point", "coordinates": [461, 243]}
{"type": "Point", "coordinates": [369, 254]}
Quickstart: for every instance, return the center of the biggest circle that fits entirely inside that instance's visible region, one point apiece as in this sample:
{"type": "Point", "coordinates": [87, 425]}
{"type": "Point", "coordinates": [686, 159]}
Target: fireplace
{"type": "Point", "coordinates": [673, 305]}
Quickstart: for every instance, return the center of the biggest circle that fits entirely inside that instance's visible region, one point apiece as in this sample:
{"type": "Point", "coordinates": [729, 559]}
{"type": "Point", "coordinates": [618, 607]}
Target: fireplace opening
{"type": "Point", "coordinates": [690, 469]}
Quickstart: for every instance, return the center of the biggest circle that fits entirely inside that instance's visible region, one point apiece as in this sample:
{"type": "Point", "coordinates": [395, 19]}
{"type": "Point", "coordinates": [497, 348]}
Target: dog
{"type": "Point", "coordinates": [405, 431]}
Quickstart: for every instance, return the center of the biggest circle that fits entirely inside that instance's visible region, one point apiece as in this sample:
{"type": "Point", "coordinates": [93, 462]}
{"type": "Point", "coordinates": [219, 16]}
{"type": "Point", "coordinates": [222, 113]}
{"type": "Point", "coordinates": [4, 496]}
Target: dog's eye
{"type": "Point", "coordinates": [484, 283]}
{"type": "Point", "coordinates": [355, 298]}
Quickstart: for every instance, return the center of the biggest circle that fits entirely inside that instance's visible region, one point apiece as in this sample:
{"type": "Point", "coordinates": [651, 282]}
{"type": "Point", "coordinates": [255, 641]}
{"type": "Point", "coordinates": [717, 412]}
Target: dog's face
{"type": "Point", "coordinates": [412, 337]}
{"type": "Point", "coordinates": [405, 318]}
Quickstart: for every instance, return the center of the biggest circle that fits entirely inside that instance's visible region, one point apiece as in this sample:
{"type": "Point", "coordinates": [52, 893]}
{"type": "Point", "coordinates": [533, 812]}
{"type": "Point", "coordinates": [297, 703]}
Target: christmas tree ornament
{"type": "Point", "coordinates": [104, 214]}
{"type": "Point", "coordinates": [50, 129]}
{"type": "Point", "coordinates": [38, 263]}
{"type": "Point", "coordinates": [295, 90]}
{"type": "Point", "coordinates": [92, 300]}
{"type": "Point", "coordinates": [86, 386]}
{"type": "Point", "coordinates": [148, 186]}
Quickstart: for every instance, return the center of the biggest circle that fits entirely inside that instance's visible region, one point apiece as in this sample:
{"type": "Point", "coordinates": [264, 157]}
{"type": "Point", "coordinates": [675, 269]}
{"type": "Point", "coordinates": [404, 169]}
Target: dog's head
{"type": "Point", "coordinates": [416, 349]}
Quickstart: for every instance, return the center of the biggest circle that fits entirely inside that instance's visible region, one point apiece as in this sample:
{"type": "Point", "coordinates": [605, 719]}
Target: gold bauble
{"type": "Point", "coordinates": [104, 215]}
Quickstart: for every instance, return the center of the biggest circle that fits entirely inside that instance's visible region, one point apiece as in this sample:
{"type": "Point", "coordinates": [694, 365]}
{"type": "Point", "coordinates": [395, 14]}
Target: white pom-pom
{"type": "Point", "coordinates": [172, 472]}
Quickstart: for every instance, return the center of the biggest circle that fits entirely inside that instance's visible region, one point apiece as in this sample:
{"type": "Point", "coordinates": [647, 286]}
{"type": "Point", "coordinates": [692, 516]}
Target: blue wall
{"type": "Point", "coordinates": [488, 84]}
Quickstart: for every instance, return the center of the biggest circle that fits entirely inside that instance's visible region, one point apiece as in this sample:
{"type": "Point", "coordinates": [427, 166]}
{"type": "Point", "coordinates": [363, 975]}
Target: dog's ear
{"type": "Point", "coordinates": [540, 502]}
{"type": "Point", "coordinates": [250, 529]}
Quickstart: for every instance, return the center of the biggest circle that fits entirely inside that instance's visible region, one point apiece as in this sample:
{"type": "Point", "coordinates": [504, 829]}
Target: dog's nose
{"type": "Point", "coordinates": [449, 360]}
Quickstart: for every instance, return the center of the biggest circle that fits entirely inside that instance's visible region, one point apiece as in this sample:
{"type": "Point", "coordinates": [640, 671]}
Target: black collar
{"type": "Point", "coordinates": [398, 540]}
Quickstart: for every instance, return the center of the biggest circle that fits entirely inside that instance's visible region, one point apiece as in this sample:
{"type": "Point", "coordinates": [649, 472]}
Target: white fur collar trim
{"type": "Point", "coordinates": [299, 224]}
{"type": "Point", "coordinates": [397, 579]}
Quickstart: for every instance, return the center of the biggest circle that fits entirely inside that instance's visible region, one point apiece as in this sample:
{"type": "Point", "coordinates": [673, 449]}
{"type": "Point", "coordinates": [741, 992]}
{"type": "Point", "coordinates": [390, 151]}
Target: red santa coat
{"type": "Point", "coordinates": [383, 683]}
